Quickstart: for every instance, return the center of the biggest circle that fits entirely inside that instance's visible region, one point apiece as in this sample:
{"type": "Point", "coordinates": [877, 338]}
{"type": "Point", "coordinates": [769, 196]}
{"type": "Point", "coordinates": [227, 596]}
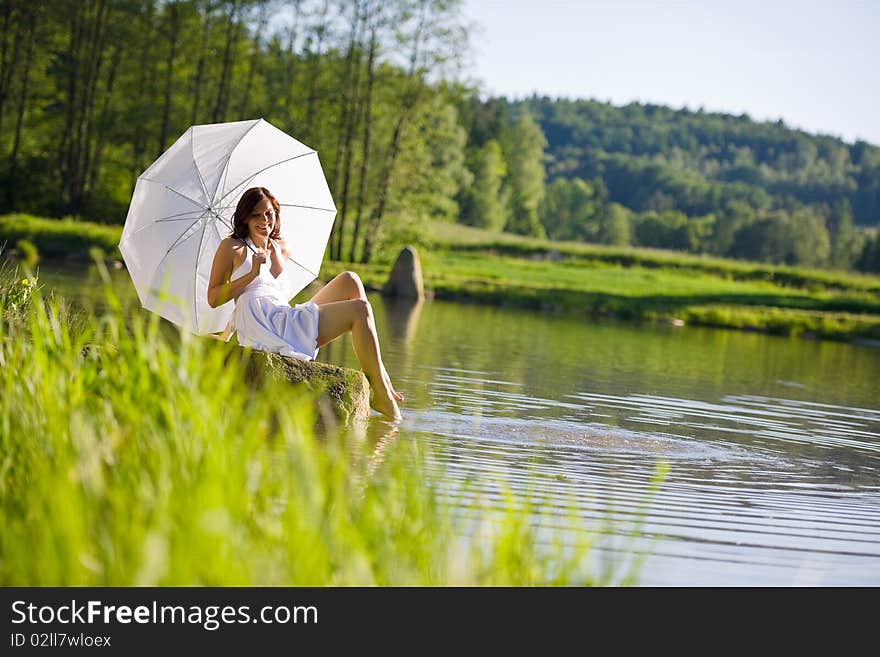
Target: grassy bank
{"type": "Point", "coordinates": [60, 238]}
{"type": "Point", "coordinates": [129, 456]}
{"type": "Point", "coordinates": [466, 264]}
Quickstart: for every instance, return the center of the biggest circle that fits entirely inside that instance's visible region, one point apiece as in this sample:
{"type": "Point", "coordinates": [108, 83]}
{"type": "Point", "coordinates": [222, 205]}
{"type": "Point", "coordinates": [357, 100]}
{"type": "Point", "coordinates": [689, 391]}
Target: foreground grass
{"type": "Point", "coordinates": [128, 457]}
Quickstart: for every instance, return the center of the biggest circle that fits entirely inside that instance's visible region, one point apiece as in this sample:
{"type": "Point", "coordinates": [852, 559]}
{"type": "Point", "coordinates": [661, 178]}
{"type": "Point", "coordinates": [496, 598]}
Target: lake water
{"type": "Point", "coordinates": [772, 444]}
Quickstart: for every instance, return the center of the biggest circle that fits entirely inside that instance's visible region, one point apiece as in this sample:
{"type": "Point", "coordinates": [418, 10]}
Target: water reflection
{"type": "Point", "coordinates": [402, 316]}
{"type": "Point", "coordinates": [773, 443]}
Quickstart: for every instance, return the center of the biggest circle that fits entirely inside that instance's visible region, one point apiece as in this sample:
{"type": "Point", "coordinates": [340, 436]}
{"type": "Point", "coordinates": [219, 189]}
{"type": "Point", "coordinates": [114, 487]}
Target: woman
{"type": "Point", "coordinates": [246, 268]}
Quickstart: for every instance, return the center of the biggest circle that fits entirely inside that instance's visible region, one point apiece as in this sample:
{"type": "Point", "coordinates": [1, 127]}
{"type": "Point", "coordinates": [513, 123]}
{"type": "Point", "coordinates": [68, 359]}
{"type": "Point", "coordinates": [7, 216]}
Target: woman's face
{"type": "Point", "coordinates": [261, 220]}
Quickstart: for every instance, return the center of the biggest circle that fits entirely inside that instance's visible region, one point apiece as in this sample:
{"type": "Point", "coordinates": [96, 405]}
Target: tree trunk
{"type": "Point", "coordinates": [243, 106]}
{"type": "Point", "coordinates": [173, 35]}
{"type": "Point", "coordinates": [104, 123]}
{"type": "Point", "coordinates": [140, 142]}
{"type": "Point", "coordinates": [312, 99]}
{"type": "Point", "coordinates": [22, 104]}
{"type": "Point", "coordinates": [231, 40]}
{"type": "Point", "coordinates": [66, 145]}
{"type": "Point", "coordinates": [410, 99]}
{"type": "Point", "coordinates": [95, 63]}
{"type": "Point", "coordinates": [8, 65]}
{"type": "Point", "coordinates": [289, 77]}
{"type": "Point", "coordinates": [382, 193]}
{"type": "Point", "coordinates": [348, 110]}
{"type": "Point", "coordinates": [200, 65]}
{"type": "Point", "coordinates": [365, 158]}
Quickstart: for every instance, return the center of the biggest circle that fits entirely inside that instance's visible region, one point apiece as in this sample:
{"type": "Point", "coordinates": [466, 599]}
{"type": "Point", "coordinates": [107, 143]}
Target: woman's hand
{"type": "Point", "coordinates": [277, 256]}
{"type": "Point", "coordinates": [258, 260]}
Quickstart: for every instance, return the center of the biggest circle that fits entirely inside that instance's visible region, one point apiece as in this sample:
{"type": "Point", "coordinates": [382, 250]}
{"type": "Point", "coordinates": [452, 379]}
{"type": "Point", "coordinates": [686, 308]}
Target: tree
{"type": "Point", "coordinates": [614, 226]}
{"type": "Point", "coordinates": [349, 116]}
{"type": "Point", "coordinates": [846, 243]}
{"type": "Point", "coordinates": [764, 240]}
{"type": "Point", "coordinates": [810, 243]}
{"type": "Point", "coordinates": [433, 31]}
{"type": "Point", "coordinates": [571, 210]}
{"type": "Point", "coordinates": [483, 204]}
{"type": "Point", "coordinates": [869, 260]}
{"type": "Point", "coordinates": [431, 164]}
{"type": "Point", "coordinates": [523, 146]}
{"type": "Point", "coordinates": [733, 216]}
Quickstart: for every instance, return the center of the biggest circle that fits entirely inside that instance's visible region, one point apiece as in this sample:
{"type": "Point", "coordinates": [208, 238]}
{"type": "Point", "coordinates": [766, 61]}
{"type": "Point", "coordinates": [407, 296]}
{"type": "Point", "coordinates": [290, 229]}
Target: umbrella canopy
{"type": "Point", "coordinates": [183, 204]}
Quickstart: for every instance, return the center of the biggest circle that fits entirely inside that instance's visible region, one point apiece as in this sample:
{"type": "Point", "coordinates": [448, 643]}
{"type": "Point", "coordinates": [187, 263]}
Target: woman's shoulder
{"type": "Point", "coordinates": [283, 245]}
{"type": "Point", "coordinates": [232, 250]}
{"type": "Point", "coordinates": [231, 244]}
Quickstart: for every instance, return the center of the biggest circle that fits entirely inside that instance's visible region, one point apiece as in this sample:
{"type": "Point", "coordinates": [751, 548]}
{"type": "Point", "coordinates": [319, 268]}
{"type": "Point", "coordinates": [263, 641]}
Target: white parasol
{"type": "Point", "coordinates": [182, 208]}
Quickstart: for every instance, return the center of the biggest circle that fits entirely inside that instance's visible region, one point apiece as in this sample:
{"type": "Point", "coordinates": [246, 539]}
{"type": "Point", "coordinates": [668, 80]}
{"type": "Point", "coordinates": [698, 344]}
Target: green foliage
{"type": "Point", "coordinates": [614, 226]}
{"type": "Point", "coordinates": [846, 242]}
{"type": "Point", "coordinates": [869, 260]}
{"type": "Point", "coordinates": [571, 210]}
{"type": "Point", "coordinates": [484, 204]}
{"type": "Point", "coordinates": [697, 182]}
{"type": "Point", "coordinates": [16, 291]}
{"type": "Point", "coordinates": [28, 254]}
{"type": "Point", "coordinates": [93, 92]}
{"type": "Point", "coordinates": [696, 159]}
{"type": "Point", "coordinates": [523, 144]}
{"type": "Point", "coordinates": [431, 167]}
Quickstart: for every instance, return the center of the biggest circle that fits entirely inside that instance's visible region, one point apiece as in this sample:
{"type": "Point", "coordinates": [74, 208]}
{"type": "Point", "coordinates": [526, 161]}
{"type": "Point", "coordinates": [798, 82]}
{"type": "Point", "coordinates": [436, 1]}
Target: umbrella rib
{"type": "Point", "coordinates": [171, 248]}
{"type": "Point", "coordinates": [128, 237]}
{"type": "Point", "coordinates": [222, 177]}
{"type": "Point", "coordinates": [257, 173]}
{"type": "Point", "coordinates": [217, 228]}
{"type": "Point", "coordinates": [192, 150]}
{"type": "Point", "coordinates": [179, 216]}
{"type": "Point", "coordinates": [303, 267]}
{"type": "Point", "coordinates": [196, 278]}
{"type": "Point", "coordinates": [171, 189]}
{"type": "Point", "coordinates": [180, 237]}
{"type": "Point", "coordinates": [306, 207]}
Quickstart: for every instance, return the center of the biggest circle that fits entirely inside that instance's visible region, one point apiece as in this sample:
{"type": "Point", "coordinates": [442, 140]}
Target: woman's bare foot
{"type": "Point", "coordinates": [384, 401]}
{"type": "Point", "coordinates": [388, 408]}
{"type": "Point", "coordinates": [397, 396]}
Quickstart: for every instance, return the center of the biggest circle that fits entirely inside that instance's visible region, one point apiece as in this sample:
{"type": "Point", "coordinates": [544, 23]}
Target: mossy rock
{"type": "Point", "coordinates": [346, 390]}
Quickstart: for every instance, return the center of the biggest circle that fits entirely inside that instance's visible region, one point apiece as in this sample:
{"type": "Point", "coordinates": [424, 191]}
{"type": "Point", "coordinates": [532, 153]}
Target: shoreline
{"type": "Point", "coordinates": [579, 279]}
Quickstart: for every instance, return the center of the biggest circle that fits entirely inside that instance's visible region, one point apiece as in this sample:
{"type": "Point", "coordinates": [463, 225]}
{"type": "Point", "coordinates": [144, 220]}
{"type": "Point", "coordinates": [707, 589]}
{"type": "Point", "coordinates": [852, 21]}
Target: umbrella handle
{"type": "Point", "coordinates": [247, 244]}
{"type": "Point", "coordinates": [253, 250]}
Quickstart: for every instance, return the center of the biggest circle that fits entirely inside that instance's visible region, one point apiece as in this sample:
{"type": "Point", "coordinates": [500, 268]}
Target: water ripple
{"type": "Point", "coordinates": [788, 489]}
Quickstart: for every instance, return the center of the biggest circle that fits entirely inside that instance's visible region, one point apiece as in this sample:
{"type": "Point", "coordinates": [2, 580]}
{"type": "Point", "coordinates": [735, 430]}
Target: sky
{"type": "Point", "coordinates": [815, 65]}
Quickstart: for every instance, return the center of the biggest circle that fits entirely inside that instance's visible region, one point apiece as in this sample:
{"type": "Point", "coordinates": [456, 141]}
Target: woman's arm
{"type": "Point", "coordinates": [220, 288]}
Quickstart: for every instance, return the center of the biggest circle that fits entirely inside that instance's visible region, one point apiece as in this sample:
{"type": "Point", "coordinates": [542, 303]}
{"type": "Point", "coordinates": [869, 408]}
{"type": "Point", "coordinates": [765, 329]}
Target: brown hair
{"type": "Point", "coordinates": [246, 205]}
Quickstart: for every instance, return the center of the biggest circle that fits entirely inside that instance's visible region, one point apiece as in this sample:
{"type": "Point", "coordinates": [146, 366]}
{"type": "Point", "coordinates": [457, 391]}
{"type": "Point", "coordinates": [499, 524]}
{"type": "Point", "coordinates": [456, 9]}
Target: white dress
{"type": "Point", "coordinates": [264, 320]}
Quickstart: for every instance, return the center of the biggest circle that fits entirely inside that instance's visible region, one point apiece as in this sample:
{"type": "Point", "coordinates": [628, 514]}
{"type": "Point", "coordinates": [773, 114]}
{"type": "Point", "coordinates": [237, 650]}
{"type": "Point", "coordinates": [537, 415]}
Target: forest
{"type": "Point", "coordinates": [92, 91]}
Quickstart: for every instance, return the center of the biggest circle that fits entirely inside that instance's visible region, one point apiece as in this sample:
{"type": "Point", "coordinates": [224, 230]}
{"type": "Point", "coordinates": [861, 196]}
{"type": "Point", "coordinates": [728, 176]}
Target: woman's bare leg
{"type": "Point", "coordinates": [356, 315]}
{"type": "Point", "coordinates": [345, 287]}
